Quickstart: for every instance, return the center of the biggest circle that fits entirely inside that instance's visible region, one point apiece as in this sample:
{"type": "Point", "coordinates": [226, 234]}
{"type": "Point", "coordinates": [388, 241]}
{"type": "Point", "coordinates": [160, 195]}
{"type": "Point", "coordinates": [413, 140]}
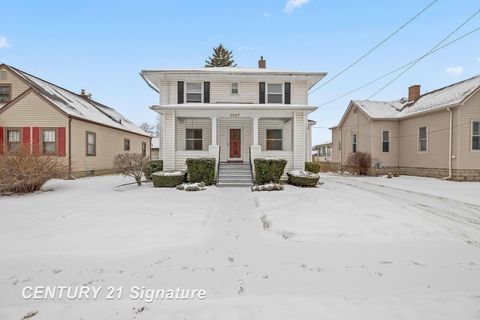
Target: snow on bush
{"type": "Point", "coordinates": [268, 187]}
{"type": "Point", "coordinates": [196, 186]}
{"type": "Point", "coordinates": [303, 178]}
{"type": "Point", "coordinates": [169, 179]}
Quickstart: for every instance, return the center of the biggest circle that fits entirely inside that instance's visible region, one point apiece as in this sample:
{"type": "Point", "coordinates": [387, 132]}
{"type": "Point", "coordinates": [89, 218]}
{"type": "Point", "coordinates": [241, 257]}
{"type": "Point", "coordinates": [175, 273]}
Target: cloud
{"type": "Point", "coordinates": [454, 71]}
{"type": "Point", "coordinates": [294, 4]}
{"type": "Point", "coordinates": [4, 42]}
{"type": "Point", "coordinates": [478, 59]}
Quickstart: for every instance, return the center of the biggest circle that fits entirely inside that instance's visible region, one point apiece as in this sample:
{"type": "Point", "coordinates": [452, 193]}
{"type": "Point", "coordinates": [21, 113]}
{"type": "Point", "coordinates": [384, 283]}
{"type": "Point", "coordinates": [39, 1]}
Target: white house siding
{"type": "Point", "coordinates": [264, 124]}
{"type": "Point", "coordinates": [299, 126]}
{"type": "Point", "coordinates": [299, 92]}
{"type": "Point", "coordinates": [168, 131]}
{"type": "Point", "coordinates": [224, 124]}
{"type": "Point", "coordinates": [182, 124]}
{"type": "Point", "coordinates": [221, 92]}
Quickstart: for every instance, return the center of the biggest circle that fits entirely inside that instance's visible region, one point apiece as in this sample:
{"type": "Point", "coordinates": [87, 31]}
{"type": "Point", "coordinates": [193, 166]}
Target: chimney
{"type": "Point", "coordinates": [82, 92]}
{"type": "Point", "coordinates": [413, 93]}
{"type": "Point", "coordinates": [262, 64]}
{"type": "Point", "coordinates": [85, 95]}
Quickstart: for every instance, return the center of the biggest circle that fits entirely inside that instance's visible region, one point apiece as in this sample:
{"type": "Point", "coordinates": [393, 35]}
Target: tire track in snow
{"type": "Point", "coordinates": [460, 215]}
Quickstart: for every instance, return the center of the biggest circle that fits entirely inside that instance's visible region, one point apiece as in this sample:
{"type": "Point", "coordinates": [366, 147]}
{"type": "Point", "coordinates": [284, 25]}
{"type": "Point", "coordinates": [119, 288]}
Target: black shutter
{"type": "Point", "coordinates": [288, 89]}
{"type": "Point", "coordinates": [261, 90]}
{"type": "Point", "coordinates": [180, 89]}
{"type": "Point", "coordinates": [206, 92]}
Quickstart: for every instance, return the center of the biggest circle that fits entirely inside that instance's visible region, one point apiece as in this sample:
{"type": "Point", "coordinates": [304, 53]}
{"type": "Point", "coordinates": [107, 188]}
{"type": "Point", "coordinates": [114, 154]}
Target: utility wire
{"type": "Point", "coordinates": [375, 47]}
{"type": "Point", "coordinates": [398, 69]}
{"type": "Point", "coordinates": [425, 55]}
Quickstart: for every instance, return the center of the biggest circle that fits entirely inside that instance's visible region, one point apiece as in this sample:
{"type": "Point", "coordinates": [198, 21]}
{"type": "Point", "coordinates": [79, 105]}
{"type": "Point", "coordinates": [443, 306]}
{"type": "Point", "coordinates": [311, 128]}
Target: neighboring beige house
{"type": "Point", "coordinates": [436, 134]}
{"type": "Point", "coordinates": [234, 115]}
{"type": "Point", "coordinates": [322, 152]}
{"type": "Point", "coordinates": [155, 148]}
{"type": "Point", "coordinates": [53, 121]}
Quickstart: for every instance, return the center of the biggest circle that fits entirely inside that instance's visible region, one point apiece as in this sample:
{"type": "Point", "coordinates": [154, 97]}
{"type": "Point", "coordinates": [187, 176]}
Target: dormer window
{"type": "Point", "coordinates": [234, 87]}
{"type": "Point", "coordinates": [275, 93]}
{"type": "Point", "coordinates": [194, 92]}
{"type": "Point", "coordinates": [5, 93]}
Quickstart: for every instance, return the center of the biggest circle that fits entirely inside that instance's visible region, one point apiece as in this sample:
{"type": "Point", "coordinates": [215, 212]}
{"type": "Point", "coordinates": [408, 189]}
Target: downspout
{"type": "Point", "coordinates": [450, 144]}
{"type": "Point", "coordinates": [69, 147]}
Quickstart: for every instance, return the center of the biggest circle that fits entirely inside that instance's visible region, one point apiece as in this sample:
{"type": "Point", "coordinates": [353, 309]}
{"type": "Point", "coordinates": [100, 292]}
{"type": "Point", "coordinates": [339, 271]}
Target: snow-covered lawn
{"type": "Point", "coordinates": [371, 248]}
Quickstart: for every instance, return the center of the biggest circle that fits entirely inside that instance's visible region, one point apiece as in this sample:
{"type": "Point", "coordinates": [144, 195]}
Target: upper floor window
{"type": "Point", "coordinates": [194, 92]}
{"type": "Point", "coordinates": [275, 93]}
{"type": "Point", "coordinates": [234, 87]}
{"type": "Point", "coordinates": [422, 139]}
{"type": "Point", "coordinates": [126, 144]}
{"type": "Point", "coordinates": [385, 141]}
{"type": "Point", "coordinates": [354, 143]}
{"type": "Point", "coordinates": [194, 139]}
{"type": "Point", "coordinates": [91, 144]}
{"type": "Point", "coordinates": [5, 93]}
{"type": "Point", "coordinates": [476, 135]}
{"type": "Point", "coordinates": [13, 140]}
{"type": "Point", "coordinates": [274, 139]}
{"type": "Point", "coordinates": [49, 141]}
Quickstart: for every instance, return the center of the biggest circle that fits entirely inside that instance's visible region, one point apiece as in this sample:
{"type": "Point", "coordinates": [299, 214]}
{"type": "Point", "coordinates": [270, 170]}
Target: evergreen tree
{"type": "Point", "coordinates": [221, 58]}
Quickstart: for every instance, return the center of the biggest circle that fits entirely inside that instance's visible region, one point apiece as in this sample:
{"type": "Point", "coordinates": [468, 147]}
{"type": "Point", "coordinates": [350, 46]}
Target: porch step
{"type": "Point", "coordinates": [234, 175]}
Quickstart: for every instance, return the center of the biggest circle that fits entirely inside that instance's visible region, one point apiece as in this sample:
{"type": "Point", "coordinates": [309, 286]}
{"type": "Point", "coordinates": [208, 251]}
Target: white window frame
{"type": "Point", "coordinates": [8, 142]}
{"type": "Point", "coordinates": [471, 135]}
{"type": "Point", "coordinates": [426, 139]}
{"type": "Point", "coordinates": [282, 93]}
{"type": "Point", "coordinates": [43, 141]}
{"type": "Point", "coordinates": [266, 139]}
{"type": "Point", "coordinates": [186, 91]}
{"type": "Point", "coordinates": [232, 88]}
{"type": "Point", "coordinates": [356, 142]}
{"type": "Point", "coordinates": [193, 139]}
{"type": "Point", "coordinates": [389, 140]}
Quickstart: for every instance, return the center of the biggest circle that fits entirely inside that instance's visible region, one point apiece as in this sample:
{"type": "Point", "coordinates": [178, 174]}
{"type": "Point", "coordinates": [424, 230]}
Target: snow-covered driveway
{"type": "Point", "coordinates": [373, 248]}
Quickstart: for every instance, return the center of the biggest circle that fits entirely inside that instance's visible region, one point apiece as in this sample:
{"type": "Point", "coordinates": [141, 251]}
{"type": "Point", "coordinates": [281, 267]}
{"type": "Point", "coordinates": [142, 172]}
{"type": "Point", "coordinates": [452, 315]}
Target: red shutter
{"type": "Point", "coordinates": [2, 147]}
{"type": "Point", "coordinates": [36, 141]}
{"type": "Point", "coordinates": [26, 138]}
{"type": "Point", "coordinates": [61, 142]}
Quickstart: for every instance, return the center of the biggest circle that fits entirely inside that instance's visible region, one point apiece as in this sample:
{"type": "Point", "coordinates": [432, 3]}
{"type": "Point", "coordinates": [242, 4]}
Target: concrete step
{"type": "Point", "coordinates": [235, 167]}
{"type": "Point", "coordinates": [237, 180]}
{"type": "Point", "coordinates": [234, 184]}
{"type": "Point", "coordinates": [233, 176]}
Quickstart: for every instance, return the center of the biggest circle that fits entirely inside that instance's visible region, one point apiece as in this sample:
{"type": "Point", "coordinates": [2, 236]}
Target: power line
{"type": "Point", "coordinates": [397, 69]}
{"type": "Point", "coordinates": [376, 46]}
{"type": "Point", "coordinates": [425, 55]}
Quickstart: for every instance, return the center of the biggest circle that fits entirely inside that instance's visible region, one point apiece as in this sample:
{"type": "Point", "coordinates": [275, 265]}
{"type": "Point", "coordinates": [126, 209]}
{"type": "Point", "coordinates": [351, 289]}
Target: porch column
{"type": "Point", "coordinates": [214, 131]}
{"type": "Point", "coordinates": [299, 135]}
{"type": "Point", "coordinates": [255, 131]}
{"type": "Point", "coordinates": [168, 145]}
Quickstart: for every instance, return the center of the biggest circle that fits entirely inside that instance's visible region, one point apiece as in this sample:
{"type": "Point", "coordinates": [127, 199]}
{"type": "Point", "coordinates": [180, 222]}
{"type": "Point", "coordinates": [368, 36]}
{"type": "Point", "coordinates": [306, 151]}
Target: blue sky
{"type": "Point", "coordinates": [102, 45]}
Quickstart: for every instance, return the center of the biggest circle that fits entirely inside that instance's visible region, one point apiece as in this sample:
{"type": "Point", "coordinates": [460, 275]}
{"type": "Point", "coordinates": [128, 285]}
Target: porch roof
{"type": "Point", "coordinates": [231, 106]}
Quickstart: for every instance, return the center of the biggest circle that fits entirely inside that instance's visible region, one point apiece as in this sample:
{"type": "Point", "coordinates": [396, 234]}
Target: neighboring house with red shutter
{"type": "Point", "coordinates": [234, 115]}
{"type": "Point", "coordinates": [435, 134]}
{"type": "Point", "coordinates": [53, 121]}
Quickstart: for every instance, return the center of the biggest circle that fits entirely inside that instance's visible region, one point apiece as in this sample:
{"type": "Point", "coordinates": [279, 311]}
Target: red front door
{"type": "Point", "coordinates": [235, 143]}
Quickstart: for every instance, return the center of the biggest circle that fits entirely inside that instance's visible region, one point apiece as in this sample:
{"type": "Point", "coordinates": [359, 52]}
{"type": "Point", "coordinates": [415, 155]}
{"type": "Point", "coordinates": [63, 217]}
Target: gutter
{"type": "Point", "coordinates": [450, 144]}
{"type": "Point", "coordinates": [69, 147]}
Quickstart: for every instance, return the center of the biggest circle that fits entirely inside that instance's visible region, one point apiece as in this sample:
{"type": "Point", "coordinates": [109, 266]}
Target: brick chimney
{"type": "Point", "coordinates": [82, 93]}
{"type": "Point", "coordinates": [85, 95]}
{"type": "Point", "coordinates": [413, 93]}
{"type": "Point", "coordinates": [262, 64]}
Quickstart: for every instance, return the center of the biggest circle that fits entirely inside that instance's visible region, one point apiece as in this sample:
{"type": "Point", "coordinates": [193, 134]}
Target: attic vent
{"type": "Point", "coordinates": [403, 100]}
{"type": "Point", "coordinates": [3, 75]}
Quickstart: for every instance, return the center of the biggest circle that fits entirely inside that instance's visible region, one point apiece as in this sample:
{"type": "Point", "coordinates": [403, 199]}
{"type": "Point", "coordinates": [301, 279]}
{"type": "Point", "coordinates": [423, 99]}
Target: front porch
{"type": "Point", "coordinates": [239, 136]}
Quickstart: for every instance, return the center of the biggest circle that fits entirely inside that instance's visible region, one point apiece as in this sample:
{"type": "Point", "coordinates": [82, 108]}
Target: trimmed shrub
{"type": "Point", "coordinates": [168, 179]}
{"type": "Point", "coordinates": [303, 178]}
{"type": "Point", "coordinates": [22, 172]}
{"type": "Point", "coordinates": [268, 187]}
{"type": "Point", "coordinates": [359, 162]}
{"type": "Point", "coordinates": [313, 167]}
{"type": "Point", "coordinates": [195, 186]}
{"type": "Point", "coordinates": [201, 170]}
{"type": "Point", "coordinates": [151, 167]}
{"type": "Point", "coordinates": [269, 170]}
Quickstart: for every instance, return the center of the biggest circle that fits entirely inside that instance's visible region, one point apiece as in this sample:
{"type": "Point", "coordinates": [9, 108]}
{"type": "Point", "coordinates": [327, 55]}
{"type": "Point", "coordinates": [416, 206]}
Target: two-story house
{"type": "Point", "coordinates": [233, 114]}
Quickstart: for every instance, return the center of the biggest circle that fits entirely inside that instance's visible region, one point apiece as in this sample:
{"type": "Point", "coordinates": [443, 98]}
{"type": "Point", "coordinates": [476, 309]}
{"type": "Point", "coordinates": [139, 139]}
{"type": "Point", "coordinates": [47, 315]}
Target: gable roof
{"type": "Point", "coordinates": [451, 95]}
{"type": "Point", "coordinates": [75, 105]}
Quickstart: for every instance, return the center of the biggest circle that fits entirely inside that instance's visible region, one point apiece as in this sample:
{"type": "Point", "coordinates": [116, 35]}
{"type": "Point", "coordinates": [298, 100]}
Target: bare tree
{"type": "Point", "coordinates": [149, 128]}
{"type": "Point", "coordinates": [132, 165]}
